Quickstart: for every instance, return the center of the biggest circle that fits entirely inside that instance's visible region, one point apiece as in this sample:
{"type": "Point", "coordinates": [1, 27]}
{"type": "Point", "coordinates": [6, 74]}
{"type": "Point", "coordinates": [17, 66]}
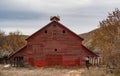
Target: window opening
{"type": "Point", "coordinates": [46, 31]}
{"type": "Point", "coordinates": [63, 31]}
{"type": "Point", "coordinates": [55, 50]}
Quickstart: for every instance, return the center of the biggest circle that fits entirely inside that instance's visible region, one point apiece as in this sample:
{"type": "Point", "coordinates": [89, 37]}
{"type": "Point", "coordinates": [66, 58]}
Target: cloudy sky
{"type": "Point", "coordinates": [29, 16]}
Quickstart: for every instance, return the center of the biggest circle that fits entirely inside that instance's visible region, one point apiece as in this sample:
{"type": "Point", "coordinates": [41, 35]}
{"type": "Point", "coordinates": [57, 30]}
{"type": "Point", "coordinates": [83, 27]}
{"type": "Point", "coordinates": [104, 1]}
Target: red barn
{"type": "Point", "coordinates": [54, 44]}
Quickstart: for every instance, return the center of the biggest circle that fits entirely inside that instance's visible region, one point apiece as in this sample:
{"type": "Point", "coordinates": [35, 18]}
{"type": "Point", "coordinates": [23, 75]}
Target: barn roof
{"type": "Point", "coordinates": [91, 52]}
{"type": "Point", "coordinates": [12, 54]}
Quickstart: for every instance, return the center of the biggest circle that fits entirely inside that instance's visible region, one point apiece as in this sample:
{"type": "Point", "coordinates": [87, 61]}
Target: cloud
{"type": "Point", "coordinates": [30, 9]}
{"type": "Point", "coordinates": [46, 6]}
{"type": "Point", "coordinates": [20, 15]}
{"type": "Point", "coordinates": [78, 15]}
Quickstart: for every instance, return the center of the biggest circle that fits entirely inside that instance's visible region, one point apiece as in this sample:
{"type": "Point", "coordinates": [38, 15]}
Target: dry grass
{"type": "Point", "coordinates": [96, 72]}
{"type": "Point", "coordinates": [52, 71]}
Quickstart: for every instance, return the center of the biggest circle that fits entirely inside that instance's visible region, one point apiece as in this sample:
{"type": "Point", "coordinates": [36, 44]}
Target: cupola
{"type": "Point", "coordinates": [55, 18]}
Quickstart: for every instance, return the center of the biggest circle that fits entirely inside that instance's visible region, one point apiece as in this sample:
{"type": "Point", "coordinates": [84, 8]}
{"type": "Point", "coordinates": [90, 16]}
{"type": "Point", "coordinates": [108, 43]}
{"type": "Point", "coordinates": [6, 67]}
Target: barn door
{"type": "Point", "coordinates": [53, 60]}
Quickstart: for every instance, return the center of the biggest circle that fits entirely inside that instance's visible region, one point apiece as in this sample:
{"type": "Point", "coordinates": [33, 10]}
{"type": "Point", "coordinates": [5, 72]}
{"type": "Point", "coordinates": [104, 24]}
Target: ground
{"type": "Point", "coordinates": [52, 71]}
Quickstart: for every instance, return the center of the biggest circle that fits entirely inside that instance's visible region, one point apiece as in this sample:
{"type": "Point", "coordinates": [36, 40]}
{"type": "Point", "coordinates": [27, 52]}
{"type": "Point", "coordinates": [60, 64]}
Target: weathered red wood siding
{"type": "Point", "coordinates": [54, 44]}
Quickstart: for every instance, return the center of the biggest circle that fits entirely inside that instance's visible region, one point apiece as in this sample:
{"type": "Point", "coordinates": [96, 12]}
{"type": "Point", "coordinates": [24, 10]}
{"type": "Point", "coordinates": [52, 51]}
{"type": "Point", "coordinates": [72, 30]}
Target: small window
{"type": "Point", "coordinates": [46, 31]}
{"type": "Point", "coordinates": [55, 50]}
{"type": "Point", "coordinates": [63, 31]}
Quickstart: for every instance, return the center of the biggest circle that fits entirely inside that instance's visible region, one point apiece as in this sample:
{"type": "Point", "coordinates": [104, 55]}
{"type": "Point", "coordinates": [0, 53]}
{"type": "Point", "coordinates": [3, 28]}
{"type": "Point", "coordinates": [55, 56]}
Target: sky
{"type": "Point", "coordinates": [28, 16]}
